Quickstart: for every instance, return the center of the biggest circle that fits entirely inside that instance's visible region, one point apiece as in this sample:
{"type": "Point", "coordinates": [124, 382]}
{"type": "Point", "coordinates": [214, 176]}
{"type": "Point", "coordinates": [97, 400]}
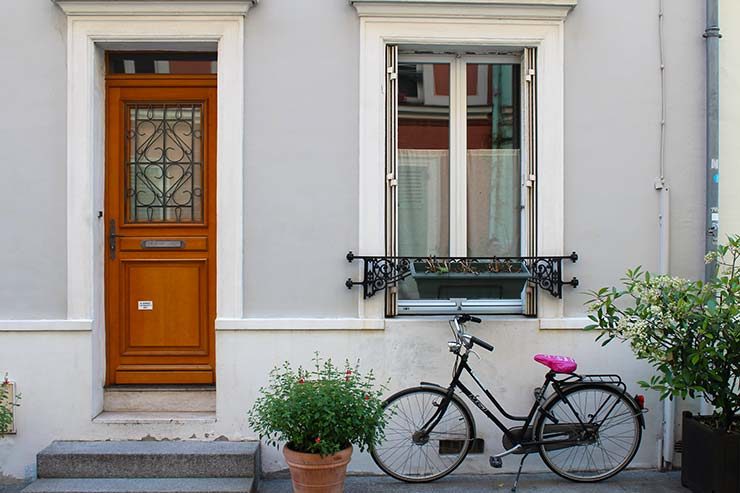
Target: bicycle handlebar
{"type": "Point", "coordinates": [467, 318]}
{"type": "Point", "coordinates": [481, 343]}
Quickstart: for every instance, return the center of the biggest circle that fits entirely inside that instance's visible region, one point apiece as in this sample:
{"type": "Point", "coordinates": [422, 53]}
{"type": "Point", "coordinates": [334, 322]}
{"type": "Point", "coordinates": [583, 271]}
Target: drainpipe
{"type": "Point", "coordinates": [664, 243]}
{"type": "Point", "coordinates": [712, 35]}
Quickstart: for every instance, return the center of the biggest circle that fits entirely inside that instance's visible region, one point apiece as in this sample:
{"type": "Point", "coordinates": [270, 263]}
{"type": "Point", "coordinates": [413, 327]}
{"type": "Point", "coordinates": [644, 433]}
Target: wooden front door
{"type": "Point", "coordinates": [160, 216]}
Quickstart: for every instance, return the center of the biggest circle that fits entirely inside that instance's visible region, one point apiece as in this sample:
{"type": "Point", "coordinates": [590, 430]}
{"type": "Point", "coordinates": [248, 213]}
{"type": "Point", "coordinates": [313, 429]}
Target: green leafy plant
{"type": "Point", "coordinates": [689, 331]}
{"type": "Point", "coordinates": [7, 403]}
{"type": "Point", "coordinates": [320, 410]}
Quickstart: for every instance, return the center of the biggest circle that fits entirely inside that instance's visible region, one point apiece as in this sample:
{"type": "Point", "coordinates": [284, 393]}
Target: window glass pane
{"type": "Point", "coordinates": [162, 63]}
{"type": "Point", "coordinates": [165, 164]}
{"type": "Point", "coordinates": [493, 160]}
{"type": "Point", "coordinates": [423, 162]}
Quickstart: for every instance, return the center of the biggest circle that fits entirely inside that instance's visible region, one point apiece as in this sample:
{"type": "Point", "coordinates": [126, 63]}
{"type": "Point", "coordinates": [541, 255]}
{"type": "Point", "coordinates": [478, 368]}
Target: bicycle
{"type": "Point", "coordinates": [587, 430]}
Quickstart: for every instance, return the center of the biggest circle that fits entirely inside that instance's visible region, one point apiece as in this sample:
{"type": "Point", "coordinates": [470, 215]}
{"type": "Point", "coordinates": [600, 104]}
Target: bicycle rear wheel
{"type": "Point", "coordinates": [607, 443]}
{"type": "Point", "coordinates": [407, 455]}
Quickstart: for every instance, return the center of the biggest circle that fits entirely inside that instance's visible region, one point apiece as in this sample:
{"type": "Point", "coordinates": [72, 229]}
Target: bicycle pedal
{"type": "Point", "coordinates": [495, 462]}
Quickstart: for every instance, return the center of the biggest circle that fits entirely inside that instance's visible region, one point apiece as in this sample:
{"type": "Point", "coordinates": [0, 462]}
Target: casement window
{"type": "Point", "coordinates": [460, 168]}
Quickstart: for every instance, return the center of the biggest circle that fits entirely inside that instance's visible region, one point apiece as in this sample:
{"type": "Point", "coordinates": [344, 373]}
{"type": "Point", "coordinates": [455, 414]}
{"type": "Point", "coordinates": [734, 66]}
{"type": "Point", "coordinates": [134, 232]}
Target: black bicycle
{"type": "Point", "coordinates": [586, 428]}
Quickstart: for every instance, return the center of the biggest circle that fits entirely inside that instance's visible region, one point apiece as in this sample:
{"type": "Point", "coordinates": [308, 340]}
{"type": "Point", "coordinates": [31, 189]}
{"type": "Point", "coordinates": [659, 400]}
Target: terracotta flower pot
{"type": "Point", "coordinates": [312, 473]}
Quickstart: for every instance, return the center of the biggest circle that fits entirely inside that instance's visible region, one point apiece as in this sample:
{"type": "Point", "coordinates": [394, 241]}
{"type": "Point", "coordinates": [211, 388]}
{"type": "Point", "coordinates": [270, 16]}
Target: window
{"type": "Point", "coordinates": [460, 184]}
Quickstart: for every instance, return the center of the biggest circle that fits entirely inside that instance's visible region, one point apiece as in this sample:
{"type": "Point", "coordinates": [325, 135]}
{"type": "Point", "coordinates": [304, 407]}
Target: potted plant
{"type": "Point", "coordinates": [319, 413]}
{"type": "Point", "coordinates": [689, 331]}
{"type": "Point", "coordinates": [469, 278]}
{"type": "Point", "coordinates": [8, 402]}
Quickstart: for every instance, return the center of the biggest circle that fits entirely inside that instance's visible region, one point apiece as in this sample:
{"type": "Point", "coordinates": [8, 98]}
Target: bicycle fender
{"type": "Point", "coordinates": [457, 399]}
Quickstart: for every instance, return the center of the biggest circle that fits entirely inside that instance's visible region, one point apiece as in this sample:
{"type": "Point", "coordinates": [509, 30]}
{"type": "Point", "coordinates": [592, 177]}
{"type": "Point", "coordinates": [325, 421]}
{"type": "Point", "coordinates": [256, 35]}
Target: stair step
{"type": "Point", "coordinates": [142, 485]}
{"type": "Point", "coordinates": [148, 459]}
{"type": "Point", "coordinates": [160, 398]}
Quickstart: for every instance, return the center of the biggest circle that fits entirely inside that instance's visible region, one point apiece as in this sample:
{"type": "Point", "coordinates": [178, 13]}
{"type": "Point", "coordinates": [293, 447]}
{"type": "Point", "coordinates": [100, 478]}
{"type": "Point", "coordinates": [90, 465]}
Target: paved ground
{"type": "Point", "coordinates": [626, 482]}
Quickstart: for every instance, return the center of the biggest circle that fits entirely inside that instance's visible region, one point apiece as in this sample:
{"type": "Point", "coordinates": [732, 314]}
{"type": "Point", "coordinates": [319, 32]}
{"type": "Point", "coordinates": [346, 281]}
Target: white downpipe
{"type": "Point", "coordinates": [664, 243]}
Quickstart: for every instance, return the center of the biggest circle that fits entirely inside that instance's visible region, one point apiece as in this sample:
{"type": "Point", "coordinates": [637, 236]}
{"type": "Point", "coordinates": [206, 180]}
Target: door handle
{"type": "Point", "coordinates": [112, 239]}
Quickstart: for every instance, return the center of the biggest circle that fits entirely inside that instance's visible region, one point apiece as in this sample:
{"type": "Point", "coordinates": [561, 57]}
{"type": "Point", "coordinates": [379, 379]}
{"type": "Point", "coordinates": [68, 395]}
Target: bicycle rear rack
{"type": "Point", "coordinates": [607, 378]}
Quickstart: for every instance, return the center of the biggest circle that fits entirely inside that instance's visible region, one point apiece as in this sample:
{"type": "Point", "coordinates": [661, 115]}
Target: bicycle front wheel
{"type": "Point", "coordinates": [595, 430]}
{"type": "Point", "coordinates": [414, 457]}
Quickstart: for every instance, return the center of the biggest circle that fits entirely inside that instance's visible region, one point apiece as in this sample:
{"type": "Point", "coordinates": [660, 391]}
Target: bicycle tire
{"type": "Point", "coordinates": [615, 439]}
{"type": "Point", "coordinates": [408, 410]}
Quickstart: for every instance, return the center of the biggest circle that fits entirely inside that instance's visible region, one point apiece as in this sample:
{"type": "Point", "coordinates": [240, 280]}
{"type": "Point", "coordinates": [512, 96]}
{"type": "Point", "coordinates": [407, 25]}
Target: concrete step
{"type": "Point", "coordinates": [143, 485]}
{"type": "Point", "coordinates": [170, 398]}
{"type": "Point", "coordinates": [149, 459]}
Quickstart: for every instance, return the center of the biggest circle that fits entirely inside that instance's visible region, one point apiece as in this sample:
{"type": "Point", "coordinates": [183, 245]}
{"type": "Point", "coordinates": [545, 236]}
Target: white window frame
{"type": "Point", "coordinates": [490, 23]}
{"type": "Point", "coordinates": [458, 103]}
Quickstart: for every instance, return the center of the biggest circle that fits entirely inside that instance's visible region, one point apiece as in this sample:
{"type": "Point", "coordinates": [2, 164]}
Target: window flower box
{"type": "Point", "coordinates": [470, 279]}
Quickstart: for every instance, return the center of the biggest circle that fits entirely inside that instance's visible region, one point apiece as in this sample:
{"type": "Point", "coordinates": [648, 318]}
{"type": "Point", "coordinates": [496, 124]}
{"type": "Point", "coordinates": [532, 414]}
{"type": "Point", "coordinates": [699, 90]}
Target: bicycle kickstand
{"type": "Point", "coordinates": [518, 473]}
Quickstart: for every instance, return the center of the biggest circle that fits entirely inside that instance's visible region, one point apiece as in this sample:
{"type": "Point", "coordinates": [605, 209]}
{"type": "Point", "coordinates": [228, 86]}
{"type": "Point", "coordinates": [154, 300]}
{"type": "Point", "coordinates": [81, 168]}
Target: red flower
{"type": "Point", "coordinates": [318, 440]}
{"type": "Point", "coordinates": [349, 372]}
{"type": "Point", "coordinates": [301, 381]}
{"type": "Point", "coordinates": [367, 397]}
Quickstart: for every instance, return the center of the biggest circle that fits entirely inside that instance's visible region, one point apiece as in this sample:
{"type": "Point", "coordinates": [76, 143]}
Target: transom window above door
{"type": "Point", "coordinates": [168, 62]}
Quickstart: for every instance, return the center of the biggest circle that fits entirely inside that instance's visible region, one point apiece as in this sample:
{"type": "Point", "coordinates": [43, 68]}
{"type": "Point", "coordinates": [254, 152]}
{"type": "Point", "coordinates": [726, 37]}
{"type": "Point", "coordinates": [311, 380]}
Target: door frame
{"type": "Point", "coordinates": [148, 26]}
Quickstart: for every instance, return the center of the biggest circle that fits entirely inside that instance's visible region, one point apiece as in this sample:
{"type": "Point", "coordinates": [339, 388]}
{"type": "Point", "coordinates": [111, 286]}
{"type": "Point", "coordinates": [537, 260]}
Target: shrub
{"type": "Point", "coordinates": [319, 410]}
{"type": "Point", "coordinates": [687, 330]}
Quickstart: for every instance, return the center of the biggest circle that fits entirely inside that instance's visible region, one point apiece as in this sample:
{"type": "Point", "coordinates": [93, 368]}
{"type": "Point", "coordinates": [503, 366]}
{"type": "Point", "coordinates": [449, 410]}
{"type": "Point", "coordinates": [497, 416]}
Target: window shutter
{"type": "Point", "coordinates": [391, 169]}
{"type": "Point", "coordinates": [529, 68]}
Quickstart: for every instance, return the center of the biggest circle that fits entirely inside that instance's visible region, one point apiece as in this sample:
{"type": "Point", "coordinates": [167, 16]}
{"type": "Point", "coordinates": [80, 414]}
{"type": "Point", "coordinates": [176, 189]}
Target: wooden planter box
{"type": "Point", "coordinates": [482, 284]}
{"type": "Point", "coordinates": [710, 462]}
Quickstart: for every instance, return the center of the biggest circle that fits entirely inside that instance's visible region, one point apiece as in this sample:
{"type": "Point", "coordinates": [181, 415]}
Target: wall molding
{"type": "Point", "coordinates": [470, 9]}
{"type": "Point", "coordinates": [155, 7]}
{"type": "Point", "coordinates": [303, 324]}
{"type": "Point", "coordinates": [567, 323]}
{"type": "Point", "coordinates": [54, 325]}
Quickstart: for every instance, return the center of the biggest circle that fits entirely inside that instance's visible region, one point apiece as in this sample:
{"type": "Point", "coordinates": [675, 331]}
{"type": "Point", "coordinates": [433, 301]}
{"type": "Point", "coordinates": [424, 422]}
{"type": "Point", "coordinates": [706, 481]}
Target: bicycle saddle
{"type": "Point", "coordinates": [558, 364]}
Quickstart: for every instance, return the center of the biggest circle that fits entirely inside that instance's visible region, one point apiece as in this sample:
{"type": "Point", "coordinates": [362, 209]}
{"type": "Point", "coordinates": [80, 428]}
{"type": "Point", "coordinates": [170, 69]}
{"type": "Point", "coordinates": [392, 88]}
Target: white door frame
{"type": "Point", "coordinates": [93, 26]}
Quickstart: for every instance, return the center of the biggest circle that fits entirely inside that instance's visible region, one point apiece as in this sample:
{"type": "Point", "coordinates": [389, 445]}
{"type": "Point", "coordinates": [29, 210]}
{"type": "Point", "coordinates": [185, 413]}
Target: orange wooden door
{"type": "Point", "coordinates": [160, 229]}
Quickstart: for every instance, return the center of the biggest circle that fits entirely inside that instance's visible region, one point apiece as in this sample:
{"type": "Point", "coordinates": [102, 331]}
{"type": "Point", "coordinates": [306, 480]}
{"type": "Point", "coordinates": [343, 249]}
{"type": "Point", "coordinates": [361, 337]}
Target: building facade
{"type": "Point", "coordinates": [199, 170]}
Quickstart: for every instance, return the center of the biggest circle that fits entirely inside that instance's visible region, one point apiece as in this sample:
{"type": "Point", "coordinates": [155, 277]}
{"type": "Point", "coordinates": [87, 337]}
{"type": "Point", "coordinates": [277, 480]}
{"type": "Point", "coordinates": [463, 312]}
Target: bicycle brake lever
{"type": "Point", "coordinates": [476, 354]}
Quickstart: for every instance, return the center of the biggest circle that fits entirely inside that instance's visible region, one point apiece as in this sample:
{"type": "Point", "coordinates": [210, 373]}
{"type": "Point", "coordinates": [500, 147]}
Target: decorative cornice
{"type": "Point", "coordinates": [155, 7]}
{"type": "Point", "coordinates": [484, 9]}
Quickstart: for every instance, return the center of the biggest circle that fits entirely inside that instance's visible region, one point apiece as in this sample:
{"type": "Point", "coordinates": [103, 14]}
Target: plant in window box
{"type": "Point", "coordinates": [689, 331]}
{"type": "Point", "coordinates": [320, 413]}
{"type": "Point", "coordinates": [469, 278]}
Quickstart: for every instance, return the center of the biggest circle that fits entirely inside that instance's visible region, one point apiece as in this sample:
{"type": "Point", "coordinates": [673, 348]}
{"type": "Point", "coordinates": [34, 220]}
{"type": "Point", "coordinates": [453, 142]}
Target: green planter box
{"type": "Point", "coordinates": [480, 284]}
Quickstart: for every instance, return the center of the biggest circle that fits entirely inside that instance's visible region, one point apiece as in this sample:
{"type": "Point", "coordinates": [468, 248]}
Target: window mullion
{"type": "Point", "coordinates": [458, 159]}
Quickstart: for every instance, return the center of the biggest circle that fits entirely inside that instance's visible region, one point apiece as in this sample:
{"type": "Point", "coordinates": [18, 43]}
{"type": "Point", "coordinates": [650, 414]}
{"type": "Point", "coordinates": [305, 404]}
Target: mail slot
{"type": "Point", "coordinates": [168, 244]}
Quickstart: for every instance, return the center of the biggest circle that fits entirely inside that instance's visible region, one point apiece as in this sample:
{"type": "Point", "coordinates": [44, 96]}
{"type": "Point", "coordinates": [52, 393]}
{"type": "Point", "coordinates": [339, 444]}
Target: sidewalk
{"type": "Point", "coordinates": [625, 482]}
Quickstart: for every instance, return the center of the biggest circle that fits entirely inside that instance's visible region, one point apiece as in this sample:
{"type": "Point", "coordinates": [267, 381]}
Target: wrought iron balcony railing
{"type": "Point", "coordinates": [380, 272]}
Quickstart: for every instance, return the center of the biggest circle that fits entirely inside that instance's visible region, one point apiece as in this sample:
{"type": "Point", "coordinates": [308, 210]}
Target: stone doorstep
{"type": "Point", "coordinates": [154, 417]}
{"type": "Point", "coordinates": [143, 485]}
{"type": "Point", "coordinates": [148, 459]}
{"type": "Point", "coordinates": [171, 398]}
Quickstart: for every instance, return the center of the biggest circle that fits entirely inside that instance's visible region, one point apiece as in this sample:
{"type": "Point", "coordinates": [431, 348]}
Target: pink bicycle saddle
{"type": "Point", "coordinates": [558, 364]}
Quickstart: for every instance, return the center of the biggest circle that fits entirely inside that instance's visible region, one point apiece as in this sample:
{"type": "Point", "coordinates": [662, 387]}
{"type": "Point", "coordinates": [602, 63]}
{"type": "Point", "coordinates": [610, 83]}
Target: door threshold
{"type": "Point", "coordinates": [160, 388]}
{"type": "Point", "coordinates": [154, 417]}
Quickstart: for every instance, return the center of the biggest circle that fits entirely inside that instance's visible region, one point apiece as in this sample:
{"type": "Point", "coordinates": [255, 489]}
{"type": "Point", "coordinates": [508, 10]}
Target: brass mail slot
{"type": "Point", "coordinates": [162, 244]}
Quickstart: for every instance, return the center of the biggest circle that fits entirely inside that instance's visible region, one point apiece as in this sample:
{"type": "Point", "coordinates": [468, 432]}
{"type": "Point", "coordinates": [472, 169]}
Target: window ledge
{"type": "Point", "coordinates": [156, 7]}
{"type": "Point", "coordinates": [500, 9]}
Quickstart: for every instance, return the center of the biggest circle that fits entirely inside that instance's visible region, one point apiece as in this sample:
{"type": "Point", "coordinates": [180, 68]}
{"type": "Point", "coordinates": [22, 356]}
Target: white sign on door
{"type": "Point", "coordinates": [146, 305]}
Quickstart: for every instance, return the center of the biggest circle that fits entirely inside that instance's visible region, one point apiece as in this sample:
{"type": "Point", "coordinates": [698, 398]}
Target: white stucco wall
{"type": "Point", "coordinates": [301, 209]}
